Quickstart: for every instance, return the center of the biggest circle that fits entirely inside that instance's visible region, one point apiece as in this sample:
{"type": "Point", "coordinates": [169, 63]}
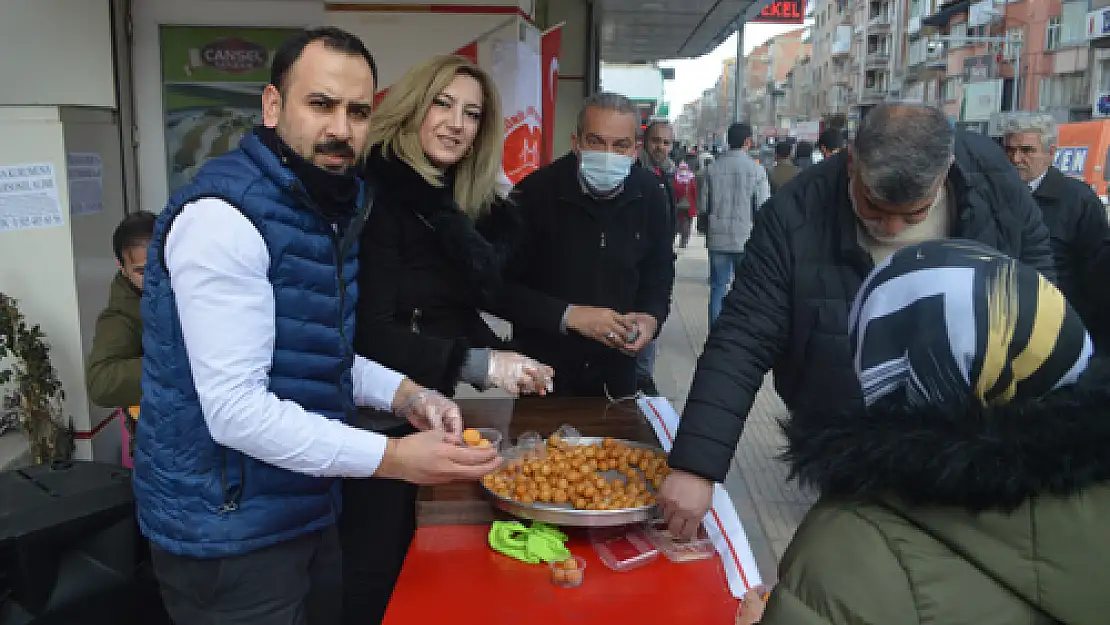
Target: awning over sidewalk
{"type": "Point", "coordinates": [642, 31]}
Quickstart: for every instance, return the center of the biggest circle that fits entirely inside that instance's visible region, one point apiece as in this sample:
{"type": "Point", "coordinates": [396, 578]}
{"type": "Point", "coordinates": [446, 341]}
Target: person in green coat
{"type": "Point", "coordinates": [115, 364]}
{"type": "Point", "coordinates": [974, 487]}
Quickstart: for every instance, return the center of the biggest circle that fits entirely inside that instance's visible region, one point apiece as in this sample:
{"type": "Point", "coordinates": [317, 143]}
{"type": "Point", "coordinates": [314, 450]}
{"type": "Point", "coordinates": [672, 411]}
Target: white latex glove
{"type": "Point", "coordinates": [429, 410]}
{"type": "Point", "coordinates": [518, 374]}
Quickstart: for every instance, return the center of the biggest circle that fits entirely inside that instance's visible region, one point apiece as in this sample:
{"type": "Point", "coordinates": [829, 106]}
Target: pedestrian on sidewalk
{"type": "Point", "coordinates": [784, 170]}
{"type": "Point", "coordinates": [686, 201]}
{"type": "Point", "coordinates": [973, 485]}
{"type": "Point", "coordinates": [735, 187]}
{"type": "Point", "coordinates": [656, 157]}
{"type": "Point", "coordinates": [909, 177]}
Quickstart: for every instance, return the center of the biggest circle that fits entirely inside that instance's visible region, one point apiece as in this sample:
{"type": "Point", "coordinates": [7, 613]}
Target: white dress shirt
{"type": "Point", "coordinates": [1036, 184]}
{"type": "Point", "coordinates": [218, 264]}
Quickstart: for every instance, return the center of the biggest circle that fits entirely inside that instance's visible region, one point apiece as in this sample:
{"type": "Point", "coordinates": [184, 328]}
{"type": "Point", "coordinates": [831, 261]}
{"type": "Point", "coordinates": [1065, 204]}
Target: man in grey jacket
{"type": "Point", "coordinates": [736, 186]}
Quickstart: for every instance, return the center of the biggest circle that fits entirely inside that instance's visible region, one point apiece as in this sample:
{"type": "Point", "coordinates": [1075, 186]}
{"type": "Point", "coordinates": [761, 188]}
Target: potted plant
{"type": "Point", "coordinates": [31, 394]}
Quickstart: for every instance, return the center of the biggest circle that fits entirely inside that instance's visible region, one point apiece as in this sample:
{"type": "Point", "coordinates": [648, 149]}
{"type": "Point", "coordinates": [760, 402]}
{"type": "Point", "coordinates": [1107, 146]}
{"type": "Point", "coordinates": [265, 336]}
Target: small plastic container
{"type": "Point", "coordinates": [624, 551]}
{"type": "Point", "coordinates": [568, 433]}
{"type": "Point", "coordinates": [531, 446]}
{"type": "Point", "coordinates": [487, 434]}
{"type": "Point", "coordinates": [677, 550]}
{"type": "Point", "coordinates": [565, 577]}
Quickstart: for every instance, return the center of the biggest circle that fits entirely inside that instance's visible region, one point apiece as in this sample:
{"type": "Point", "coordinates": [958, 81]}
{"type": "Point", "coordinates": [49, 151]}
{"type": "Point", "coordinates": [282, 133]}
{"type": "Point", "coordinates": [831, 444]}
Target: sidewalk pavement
{"type": "Point", "coordinates": [769, 507]}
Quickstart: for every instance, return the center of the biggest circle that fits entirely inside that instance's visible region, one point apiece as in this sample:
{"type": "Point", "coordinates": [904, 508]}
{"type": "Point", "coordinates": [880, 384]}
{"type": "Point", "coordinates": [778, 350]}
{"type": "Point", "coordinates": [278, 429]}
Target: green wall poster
{"type": "Point", "coordinates": [212, 81]}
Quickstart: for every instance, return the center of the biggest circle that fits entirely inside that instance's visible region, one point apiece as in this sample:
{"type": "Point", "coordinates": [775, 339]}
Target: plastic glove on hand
{"type": "Point", "coordinates": [518, 374]}
{"type": "Point", "coordinates": [429, 410]}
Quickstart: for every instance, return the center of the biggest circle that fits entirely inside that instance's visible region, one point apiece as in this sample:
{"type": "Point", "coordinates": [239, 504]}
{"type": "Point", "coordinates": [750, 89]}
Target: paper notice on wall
{"type": "Point", "coordinates": [86, 183]}
{"type": "Point", "coordinates": [29, 197]}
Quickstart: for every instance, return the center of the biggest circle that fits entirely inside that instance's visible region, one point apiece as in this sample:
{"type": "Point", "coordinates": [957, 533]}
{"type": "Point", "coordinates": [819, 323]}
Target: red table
{"type": "Point", "coordinates": [452, 577]}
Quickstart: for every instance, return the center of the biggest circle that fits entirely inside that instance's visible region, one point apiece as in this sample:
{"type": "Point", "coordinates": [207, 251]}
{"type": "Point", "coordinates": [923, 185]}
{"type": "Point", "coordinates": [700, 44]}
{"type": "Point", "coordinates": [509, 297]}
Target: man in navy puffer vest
{"type": "Point", "coordinates": [249, 378]}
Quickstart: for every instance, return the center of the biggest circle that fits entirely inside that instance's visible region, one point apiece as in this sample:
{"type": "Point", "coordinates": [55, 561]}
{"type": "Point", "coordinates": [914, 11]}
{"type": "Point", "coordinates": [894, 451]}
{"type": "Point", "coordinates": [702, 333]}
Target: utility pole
{"type": "Point", "coordinates": [738, 86]}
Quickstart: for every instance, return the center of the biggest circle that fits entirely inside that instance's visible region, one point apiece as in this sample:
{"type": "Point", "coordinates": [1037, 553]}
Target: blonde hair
{"type": "Point", "coordinates": [396, 128]}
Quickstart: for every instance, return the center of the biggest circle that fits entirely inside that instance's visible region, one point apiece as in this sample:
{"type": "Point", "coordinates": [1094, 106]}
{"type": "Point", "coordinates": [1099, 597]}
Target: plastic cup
{"type": "Point", "coordinates": [568, 578]}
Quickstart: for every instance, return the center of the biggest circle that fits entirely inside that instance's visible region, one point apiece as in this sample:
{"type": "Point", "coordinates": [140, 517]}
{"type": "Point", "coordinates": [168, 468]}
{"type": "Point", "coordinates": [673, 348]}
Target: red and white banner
{"type": "Point", "coordinates": [515, 66]}
{"type": "Point", "coordinates": [722, 524]}
{"type": "Point", "coordinates": [551, 44]}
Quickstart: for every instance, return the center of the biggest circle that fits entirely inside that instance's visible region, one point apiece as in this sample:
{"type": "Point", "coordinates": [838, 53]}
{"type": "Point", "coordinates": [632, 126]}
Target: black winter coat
{"type": "Point", "coordinates": [789, 306]}
{"type": "Point", "coordinates": [1076, 222]}
{"type": "Point", "coordinates": [425, 271]}
{"type": "Point", "coordinates": [577, 250]}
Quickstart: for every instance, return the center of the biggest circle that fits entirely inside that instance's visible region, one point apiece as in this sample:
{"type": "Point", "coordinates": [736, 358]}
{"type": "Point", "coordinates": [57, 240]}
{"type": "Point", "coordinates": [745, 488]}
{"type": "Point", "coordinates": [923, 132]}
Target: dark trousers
{"type": "Point", "coordinates": [376, 528]}
{"type": "Point", "coordinates": [685, 225]}
{"type": "Point", "coordinates": [298, 582]}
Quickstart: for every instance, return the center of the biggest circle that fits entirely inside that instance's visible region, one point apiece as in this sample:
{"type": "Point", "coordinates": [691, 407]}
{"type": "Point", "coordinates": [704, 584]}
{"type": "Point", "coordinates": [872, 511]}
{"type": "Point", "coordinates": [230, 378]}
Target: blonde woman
{"type": "Point", "coordinates": [431, 257]}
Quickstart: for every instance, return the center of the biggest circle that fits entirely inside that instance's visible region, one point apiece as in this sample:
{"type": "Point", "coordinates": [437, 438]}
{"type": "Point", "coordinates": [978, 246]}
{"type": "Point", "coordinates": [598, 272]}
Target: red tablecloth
{"type": "Point", "coordinates": [451, 576]}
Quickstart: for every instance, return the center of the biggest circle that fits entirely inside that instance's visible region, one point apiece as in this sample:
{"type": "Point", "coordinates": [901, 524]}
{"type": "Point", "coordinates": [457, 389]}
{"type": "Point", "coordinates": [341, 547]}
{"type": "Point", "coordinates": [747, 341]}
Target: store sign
{"type": "Point", "coordinates": [782, 12]}
{"type": "Point", "coordinates": [231, 55]}
{"type": "Point", "coordinates": [1071, 161]}
{"type": "Point", "coordinates": [1102, 105]}
{"type": "Point", "coordinates": [1098, 23]}
{"type": "Point", "coordinates": [212, 82]}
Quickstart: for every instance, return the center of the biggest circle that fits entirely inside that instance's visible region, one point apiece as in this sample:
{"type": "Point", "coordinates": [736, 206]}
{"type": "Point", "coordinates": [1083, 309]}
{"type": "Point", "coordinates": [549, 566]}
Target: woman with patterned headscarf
{"type": "Point", "coordinates": [974, 487]}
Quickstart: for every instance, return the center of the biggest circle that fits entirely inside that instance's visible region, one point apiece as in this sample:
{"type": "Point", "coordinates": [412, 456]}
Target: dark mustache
{"type": "Point", "coordinates": [336, 148]}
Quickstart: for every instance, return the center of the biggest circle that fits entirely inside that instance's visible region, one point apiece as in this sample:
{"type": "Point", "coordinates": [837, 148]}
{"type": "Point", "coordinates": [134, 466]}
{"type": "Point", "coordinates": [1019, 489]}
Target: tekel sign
{"type": "Point", "coordinates": [782, 12]}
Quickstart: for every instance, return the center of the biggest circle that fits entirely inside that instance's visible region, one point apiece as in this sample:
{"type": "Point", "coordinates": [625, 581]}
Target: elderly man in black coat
{"type": "Point", "coordinates": [1075, 217]}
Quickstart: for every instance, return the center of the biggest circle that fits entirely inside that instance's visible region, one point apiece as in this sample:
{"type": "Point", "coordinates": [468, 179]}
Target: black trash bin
{"type": "Point", "coordinates": [67, 545]}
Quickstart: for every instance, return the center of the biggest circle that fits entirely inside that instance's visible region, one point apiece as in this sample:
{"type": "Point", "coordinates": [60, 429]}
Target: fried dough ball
{"type": "Point", "coordinates": [578, 475]}
{"type": "Point", "coordinates": [471, 437]}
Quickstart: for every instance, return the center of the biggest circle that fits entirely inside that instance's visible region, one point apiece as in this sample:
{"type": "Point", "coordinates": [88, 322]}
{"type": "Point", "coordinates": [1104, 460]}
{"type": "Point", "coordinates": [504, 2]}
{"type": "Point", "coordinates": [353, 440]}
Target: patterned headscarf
{"type": "Point", "coordinates": [951, 320]}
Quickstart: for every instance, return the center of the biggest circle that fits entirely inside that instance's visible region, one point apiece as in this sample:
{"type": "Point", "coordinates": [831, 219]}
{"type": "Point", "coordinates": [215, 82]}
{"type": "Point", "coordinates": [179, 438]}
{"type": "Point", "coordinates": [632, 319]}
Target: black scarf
{"type": "Point", "coordinates": [479, 249]}
{"type": "Point", "coordinates": [334, 194]}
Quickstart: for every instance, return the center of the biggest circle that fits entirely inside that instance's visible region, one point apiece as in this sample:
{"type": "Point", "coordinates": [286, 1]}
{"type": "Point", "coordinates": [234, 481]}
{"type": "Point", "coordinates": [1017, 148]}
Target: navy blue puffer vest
{"type": "Point", "coordinates": [196, 498]}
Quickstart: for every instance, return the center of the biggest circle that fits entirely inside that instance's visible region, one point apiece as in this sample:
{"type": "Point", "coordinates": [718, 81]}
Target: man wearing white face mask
{"type": "Point", "coordinates": [596, 260]}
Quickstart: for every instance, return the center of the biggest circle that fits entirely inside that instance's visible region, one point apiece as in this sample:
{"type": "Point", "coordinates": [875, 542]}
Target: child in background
{"type": "Point", "coordinates": [115, 364]}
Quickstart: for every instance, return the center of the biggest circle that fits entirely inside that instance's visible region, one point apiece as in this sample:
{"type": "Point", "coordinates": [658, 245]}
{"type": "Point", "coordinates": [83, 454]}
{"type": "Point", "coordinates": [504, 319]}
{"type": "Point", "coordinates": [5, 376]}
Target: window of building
{"type": "Point", "coordinates": [1065, 90]}
{"type": "Point", "coordinates": [1011, 52]}
{"type": "Point", "coordinates": [949, 89]}
{"type": "Point", "coordinates": [1052, 33]}
{"type": "Point", "coordinates": [959, 34]}
{"type": "Point", "coordinates": [1073, 24]}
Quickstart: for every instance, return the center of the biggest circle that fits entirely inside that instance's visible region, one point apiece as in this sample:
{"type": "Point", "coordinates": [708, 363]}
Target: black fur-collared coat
{"type": "Point", "coordinates": [955, 515]}
{"type": "Point", "coordinates": [426, 269]}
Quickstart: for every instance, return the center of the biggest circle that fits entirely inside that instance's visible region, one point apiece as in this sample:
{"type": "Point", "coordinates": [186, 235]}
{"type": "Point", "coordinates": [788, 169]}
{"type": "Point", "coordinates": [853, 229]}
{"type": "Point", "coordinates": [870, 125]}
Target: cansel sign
{"type": "Point", "coordinates": [231, 55]}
